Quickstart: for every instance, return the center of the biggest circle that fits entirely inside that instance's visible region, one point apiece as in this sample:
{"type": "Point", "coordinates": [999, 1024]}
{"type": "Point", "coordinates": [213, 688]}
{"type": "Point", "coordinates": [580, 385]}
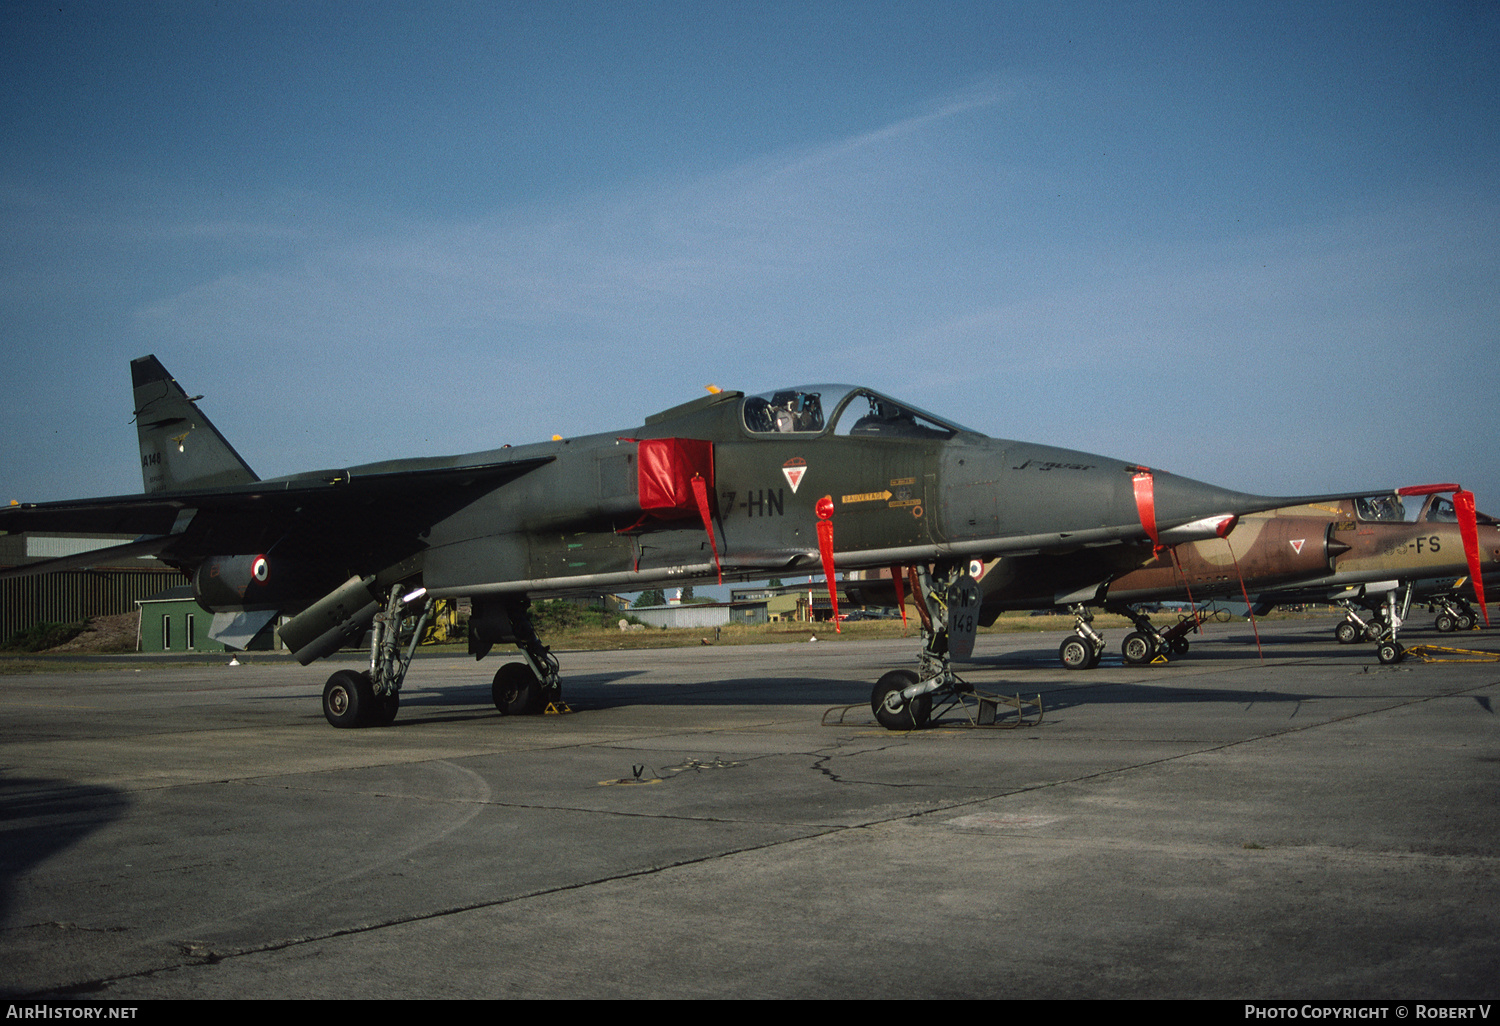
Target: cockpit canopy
{"type": "Point", "coordinates": [784, 412]}
{"type": "Point", "coordinates": [1438, 509]}
{"type": "Point", "coordinates": [1381, 508]}
{"type": "Point", "coordinates": [852, 411]}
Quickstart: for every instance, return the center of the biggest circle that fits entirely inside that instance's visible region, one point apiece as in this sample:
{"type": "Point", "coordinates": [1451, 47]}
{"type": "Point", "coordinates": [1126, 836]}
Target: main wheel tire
{"type": "Point", "coordinates": [1138, 648]}
{"type": "Point", "coordinates": [1375, 630]}
{"type": "Point", "coordinates": [1445, 623]}
{"type": "Point", "coordinates": [348, 699]}
{"type": "Point", "coordinates": [1097, 657]}
{"type": "Point", "coordinates": [911, 716]}
{"type": "Point", "coordinates": [516, 690]}
{"type": "Point", "coordinates": [383, 709]}
{"type": "Point", "coordinates": [1348, 632]}
{"type": "Point", "coordinates": [1466, 621]}
{"type": "Point", "coordinates": [1389, 652]}
{"type": "Point", "coordinates": [1076, 653]}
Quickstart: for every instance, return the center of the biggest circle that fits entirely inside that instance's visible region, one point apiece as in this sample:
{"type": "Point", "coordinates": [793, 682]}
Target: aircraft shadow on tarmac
{"type": "Point", "coordinates": [1056, 698]}
{"type": "Point", "coordinates": [1061, 689]}
{"type": "Point", "coordinates": [592, 692]}
{"type": "Point", "coordinates": [40, 818]}
{"type": "Point", "coordinates": [599, 692]}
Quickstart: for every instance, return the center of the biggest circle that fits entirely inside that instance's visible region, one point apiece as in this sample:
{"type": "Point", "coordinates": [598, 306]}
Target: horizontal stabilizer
{"type": "Point", "coordinates": [94, 557]}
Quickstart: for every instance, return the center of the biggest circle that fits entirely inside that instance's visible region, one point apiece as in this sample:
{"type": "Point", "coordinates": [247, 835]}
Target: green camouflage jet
{"type": "Point", "coordinates": [728, 487]}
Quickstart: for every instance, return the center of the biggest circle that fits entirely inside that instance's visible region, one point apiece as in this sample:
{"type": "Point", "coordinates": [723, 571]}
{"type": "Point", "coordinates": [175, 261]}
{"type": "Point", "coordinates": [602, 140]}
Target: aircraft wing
{"type": "Point", "coordinates": [353, 508]}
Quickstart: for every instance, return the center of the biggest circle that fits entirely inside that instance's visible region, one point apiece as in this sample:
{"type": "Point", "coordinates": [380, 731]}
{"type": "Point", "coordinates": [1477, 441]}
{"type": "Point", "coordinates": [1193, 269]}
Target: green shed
{"type": "Point", "coordinates": [172, 621]}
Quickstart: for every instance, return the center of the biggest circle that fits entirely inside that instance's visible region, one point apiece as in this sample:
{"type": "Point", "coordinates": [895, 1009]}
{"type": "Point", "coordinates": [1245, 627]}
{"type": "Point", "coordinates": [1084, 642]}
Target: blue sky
{"type": "Point", "coordinates": [1255, 244]}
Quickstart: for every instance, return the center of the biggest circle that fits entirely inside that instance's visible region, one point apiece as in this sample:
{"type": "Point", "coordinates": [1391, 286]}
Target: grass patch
{"type": "Point", "coordinates": [587, 637]}
{"type": "Point", "coordinates": [42, 636]}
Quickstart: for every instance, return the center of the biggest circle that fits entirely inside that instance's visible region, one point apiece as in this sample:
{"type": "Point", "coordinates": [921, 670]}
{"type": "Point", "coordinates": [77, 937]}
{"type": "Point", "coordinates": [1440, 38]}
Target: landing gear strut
{"type": "Point", "coordinates": [1146, 644]}
{"type": "Point", "coordinates": [1085, 648]}
{"type": "Point", "coordinates": [948, 603]}
{"type": "Point", "coordinates": [519, 689]}
{"type": "Point", "coordinates": [1380, 628]}
{"type": "Point", "coordinates": [371, 698]}
{"type": "Point", "coordinates": [1453, 614]}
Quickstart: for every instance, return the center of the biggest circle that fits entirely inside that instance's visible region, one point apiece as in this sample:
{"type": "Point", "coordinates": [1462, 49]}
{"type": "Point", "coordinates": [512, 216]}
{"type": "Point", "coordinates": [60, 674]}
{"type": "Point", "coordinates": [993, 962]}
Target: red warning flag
{"type": "Point", "coordinates": [1468, 528]}
{"type": "Point", "coordinates": [824, 509]}
{"type": "Point", "coordinates": [1145, 504]}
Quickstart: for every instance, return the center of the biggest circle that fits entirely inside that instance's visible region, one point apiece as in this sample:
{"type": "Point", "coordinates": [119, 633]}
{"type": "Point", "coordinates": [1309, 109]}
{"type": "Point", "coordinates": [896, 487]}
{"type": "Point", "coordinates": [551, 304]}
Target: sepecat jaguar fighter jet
{"type": "Point", "coordinates": [729, 487]}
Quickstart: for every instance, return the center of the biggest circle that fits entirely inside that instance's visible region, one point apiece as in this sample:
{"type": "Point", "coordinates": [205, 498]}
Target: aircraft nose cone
{"type": "Point", "coordinates": [1020, 488]}
{"type": "Point", "coordinates": [1182, 498]}
{"type": "Point", "coordinates": [1050, 498]}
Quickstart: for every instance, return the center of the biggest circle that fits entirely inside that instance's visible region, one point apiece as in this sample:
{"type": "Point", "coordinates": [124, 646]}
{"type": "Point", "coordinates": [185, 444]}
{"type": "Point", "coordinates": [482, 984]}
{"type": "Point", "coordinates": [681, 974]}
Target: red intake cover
{"type": "Point", "coordinates": [667, 468]}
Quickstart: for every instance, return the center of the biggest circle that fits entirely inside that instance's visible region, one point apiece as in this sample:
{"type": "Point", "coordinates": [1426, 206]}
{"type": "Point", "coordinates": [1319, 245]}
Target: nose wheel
{"type": "Point", "coordinates": [1380, 628]}
{"type": "Point", "coordinates": [894, 712]}
{"type": "Point", "coordinates": [948, 604]}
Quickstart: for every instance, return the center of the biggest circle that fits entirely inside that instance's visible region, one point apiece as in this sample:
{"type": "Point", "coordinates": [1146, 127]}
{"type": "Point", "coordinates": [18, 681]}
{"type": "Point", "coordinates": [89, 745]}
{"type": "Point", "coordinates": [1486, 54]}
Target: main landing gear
{"type": "Point", "coordinates": [371, 698]}
{"type": "Point", "coordinates": [1145, 644]}
{"type": "Point", "coordinates": [1453, 614]}
{"type": "Point", "coordinates": [1085, 649]}
{"type": "Point", "coordinates": [1149, 644]}
{"type": "Point", "coordinates": [519, 689]}
{"type": "Point", "coordinates": [1351, 629]}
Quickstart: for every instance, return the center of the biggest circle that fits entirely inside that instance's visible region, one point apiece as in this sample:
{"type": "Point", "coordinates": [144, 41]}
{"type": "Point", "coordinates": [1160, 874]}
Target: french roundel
{"type": "Point", "coordinates": [260, 569]}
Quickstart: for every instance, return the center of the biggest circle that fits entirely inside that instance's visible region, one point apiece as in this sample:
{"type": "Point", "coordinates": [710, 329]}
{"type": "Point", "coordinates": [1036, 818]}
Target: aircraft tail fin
{"type": "Point", "coordinates": [180, 447]}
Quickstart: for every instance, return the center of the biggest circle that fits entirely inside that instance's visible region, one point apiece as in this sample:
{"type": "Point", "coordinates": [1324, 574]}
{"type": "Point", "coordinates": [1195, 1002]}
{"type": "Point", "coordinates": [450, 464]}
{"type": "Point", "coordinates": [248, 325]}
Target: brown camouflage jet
{"type": "Point", "coordinates": [1371, 551]}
